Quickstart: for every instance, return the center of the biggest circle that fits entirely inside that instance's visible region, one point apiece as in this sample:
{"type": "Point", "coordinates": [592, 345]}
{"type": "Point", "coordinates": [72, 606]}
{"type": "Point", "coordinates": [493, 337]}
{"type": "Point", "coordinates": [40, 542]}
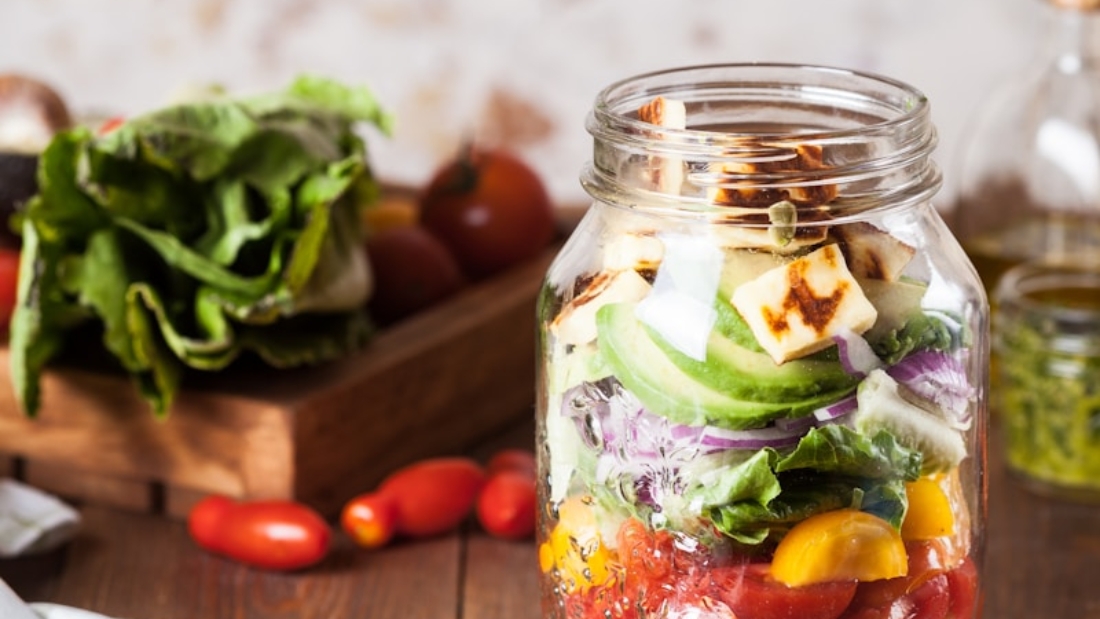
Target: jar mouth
{"type": "Point", "coordinates": [747, 125]}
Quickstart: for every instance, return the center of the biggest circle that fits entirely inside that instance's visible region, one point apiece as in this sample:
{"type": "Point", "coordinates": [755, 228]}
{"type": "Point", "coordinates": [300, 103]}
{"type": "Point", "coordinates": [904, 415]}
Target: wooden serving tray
{"type": "Point", "coordinates": [435, 383]}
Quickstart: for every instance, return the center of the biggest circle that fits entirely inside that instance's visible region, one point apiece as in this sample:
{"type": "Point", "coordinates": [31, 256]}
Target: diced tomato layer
{"type": "Point", "coordinates": [652, 576]}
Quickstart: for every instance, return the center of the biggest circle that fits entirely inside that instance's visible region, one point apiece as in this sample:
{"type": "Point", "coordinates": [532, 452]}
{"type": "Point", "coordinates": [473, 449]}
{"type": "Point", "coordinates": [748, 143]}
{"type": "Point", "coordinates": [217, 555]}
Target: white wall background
{"type": "Point", "coordinates": [525, 69]}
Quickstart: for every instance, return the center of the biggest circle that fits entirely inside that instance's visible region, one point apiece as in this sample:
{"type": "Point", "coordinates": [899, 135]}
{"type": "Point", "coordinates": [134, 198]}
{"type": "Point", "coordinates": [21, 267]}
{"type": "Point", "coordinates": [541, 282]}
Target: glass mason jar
{"type": "Point", "coordinates": [763, 359]}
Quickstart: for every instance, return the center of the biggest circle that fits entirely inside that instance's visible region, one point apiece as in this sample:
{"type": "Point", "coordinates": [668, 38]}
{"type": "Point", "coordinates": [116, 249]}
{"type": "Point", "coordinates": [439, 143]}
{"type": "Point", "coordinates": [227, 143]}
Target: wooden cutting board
{"type": "Point", "coordinates": [433, 384]}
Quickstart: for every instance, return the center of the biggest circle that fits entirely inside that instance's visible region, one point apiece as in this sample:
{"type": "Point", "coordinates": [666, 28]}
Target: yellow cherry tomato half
{"type": "Point", "coordinates": [575, 549]}
{"type": "Point", "coordinates": [844, 544]}
{"type": "Point", "coordinates": [929, 515]}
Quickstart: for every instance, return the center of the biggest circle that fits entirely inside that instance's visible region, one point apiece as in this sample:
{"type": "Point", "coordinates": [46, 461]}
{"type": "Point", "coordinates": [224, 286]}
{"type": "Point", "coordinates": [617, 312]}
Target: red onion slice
{"type": "Point", "coordinates": [751, 439]}
{"type": "Point", "coordinates": [940, 379]}
{"type": "Point", "coordinates": [796, 424]}
{"type": "Point", "coordinates": [836, 410]}
{"type": "Point", "coordinates": [856, 355]}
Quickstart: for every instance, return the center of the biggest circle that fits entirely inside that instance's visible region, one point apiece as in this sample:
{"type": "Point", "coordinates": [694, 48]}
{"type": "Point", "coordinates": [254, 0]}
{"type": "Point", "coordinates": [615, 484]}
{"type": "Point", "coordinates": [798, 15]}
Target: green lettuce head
{"type": "Point", "coordinates": [191, 234]}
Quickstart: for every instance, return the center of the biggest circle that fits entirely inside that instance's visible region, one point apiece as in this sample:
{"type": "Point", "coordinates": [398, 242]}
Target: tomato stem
{"type": "Point", "coordinates": [466, 168]}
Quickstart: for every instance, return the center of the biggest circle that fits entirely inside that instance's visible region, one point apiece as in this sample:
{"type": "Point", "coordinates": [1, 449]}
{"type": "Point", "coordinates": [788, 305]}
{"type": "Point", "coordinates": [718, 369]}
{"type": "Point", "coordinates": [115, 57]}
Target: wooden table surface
{"type": "Point", "coordinates": [1042, 562]}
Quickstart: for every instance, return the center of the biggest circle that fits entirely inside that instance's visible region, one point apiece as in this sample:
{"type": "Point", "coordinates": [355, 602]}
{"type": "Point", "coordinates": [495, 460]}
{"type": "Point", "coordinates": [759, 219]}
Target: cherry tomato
{"type": "Point", "coordinates": [962, 582]}
{"type": "Point", "coordinates": [923, 593]}
{"type": "Point", "coordinates": [929, 600]}
{"type": "Point", "coordinates": [412, 271]}
{"type": "Point", "coordinates": [490, 209]}
{"type": "Point", "coordinates": [9, 284]}
{"type": "Point", "coordinates": [370, 520]}
{"type": "Point", "coordinates": [751, 593]}
{"type": "Point", "coordinates": [110, 125]}
{"type": "Point", "coordinates": [204, 520]}
{"type": "Point", "coordinates": [269, 534]}
{"type": "Point", "coordinates": [433, 496]}
{"type": "Point", "coordinates": [506, 505]}
{"type": "Point", "coordinates": [512, 459]}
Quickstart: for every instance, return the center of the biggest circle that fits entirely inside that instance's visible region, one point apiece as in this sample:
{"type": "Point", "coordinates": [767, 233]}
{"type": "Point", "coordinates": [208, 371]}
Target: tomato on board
{"type": "Point", "coordinates": [751, 593]}
{"type": "Point", "coordinates": [9, 284]}
{"type": "Point", "coordinates": [370, 519]}
{"type": "Point", "coordinates": [507, 505]}
{"type": "Point", "coordinates": [412, 271]}
{"type": "Point", "coordinates": [269, 534]}
{"type": "Point", "coordinates": [490, 209]}
{"type": "Point", "coordinates": [433, 496]}
{"type": "Point", "coordinates": [512, 459]}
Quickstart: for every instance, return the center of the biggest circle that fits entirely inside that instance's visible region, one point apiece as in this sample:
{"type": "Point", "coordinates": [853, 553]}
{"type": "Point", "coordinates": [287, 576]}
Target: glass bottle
{"type": "Point", "coordinates": [762, 371]}
{"type": "Point", "coordinates": [1029, 170]}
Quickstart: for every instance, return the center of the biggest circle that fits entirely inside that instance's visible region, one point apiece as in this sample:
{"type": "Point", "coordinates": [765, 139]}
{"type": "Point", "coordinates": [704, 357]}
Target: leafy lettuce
{"type": "Point", "coordinates": [832, 467]}
{"type": "Point", "coordinates": [195, 233]}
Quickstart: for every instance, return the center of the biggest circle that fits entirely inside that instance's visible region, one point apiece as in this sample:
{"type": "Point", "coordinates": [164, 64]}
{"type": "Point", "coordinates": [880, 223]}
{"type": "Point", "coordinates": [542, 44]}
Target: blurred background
{"type": "Point", "coordinates": [520, 72]}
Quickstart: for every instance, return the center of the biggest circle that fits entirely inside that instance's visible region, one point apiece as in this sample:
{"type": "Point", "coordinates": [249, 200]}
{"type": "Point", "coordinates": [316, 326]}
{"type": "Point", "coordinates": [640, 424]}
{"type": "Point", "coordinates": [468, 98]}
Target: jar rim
{"type": "Point", "coordinates": [1019, 284]}
{"type": "Point", "coordinates": [916, 104]}
{"type": "Point", "coordinates": [747, 126]}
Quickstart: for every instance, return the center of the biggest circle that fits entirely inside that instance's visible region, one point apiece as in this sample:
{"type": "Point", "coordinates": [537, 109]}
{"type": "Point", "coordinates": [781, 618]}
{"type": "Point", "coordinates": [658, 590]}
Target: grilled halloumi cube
{"type": "Point", "coordinates": [803, 157]}
{"type": "Point", "coordinates": [576, 323]}
{"type": "Point", "coordinates": [871, 252]}
{"type": "Point", "coordinates": [667, 172]}
{"type": "Point", "coordinates": [796, 309]}
{"type": "Point", "coordinates": [638, 250]}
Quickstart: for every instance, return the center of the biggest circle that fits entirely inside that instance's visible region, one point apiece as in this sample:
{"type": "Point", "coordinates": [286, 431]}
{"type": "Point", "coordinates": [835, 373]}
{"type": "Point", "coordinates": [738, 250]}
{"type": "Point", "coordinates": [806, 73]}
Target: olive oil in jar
{"type": "Point", "coordinates": [1071, 240]}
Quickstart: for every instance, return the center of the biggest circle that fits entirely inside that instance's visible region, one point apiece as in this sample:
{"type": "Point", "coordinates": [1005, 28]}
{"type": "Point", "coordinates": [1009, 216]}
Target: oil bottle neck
{"type": "Point", "coordinates": [1074, 33]}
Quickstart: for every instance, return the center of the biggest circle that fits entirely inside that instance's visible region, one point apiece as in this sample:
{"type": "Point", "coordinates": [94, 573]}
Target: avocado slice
{"type": "Point", "coordinates": [645, 368]}
{"type": "Point", "coordinates": [749, 374]}
{"type": "Point", "coordinates": [896, 302]}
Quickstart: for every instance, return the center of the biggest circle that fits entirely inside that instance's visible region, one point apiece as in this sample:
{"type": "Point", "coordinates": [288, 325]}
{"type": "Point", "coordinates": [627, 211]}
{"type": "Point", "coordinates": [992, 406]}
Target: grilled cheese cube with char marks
{"type": "Point", "coordinates": [575, 325]}
{"type": "Point", "coordinates": [667, 171]}
{"type": "Point", "coordinates": [803, 158]}
{"type": "Point", "coordinates": [796, 309]}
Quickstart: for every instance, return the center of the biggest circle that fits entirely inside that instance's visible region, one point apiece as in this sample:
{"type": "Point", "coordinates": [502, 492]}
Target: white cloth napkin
{"type": "Point", "coordinates": [11, 607]}
{"type": "Point", "coordinates": [56, 611]}
{"type": "Point", "coordinates": [32, 521]}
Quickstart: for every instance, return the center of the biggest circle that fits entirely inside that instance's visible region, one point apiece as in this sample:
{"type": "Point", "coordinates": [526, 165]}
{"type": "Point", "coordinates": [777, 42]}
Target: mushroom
{"type": "Point", "coordinates": [31, 112]}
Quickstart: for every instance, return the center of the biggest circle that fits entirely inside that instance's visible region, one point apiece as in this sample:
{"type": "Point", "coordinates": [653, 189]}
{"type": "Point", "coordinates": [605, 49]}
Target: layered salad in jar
{"type": "Point", "coordinates": [755, 422]}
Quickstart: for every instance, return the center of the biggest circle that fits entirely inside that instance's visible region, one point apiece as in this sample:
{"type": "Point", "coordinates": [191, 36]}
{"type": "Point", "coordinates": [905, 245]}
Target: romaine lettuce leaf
{"type": "Point", "coordinates": [832, 467]}
{"type": "Point", "coordinates": [923, 331]}
{"type": "Point", "coordinates": [198, 232]}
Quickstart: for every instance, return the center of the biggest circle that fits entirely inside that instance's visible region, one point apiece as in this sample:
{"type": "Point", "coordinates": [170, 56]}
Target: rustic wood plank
{"type": "Point", "coordinates": [8, 465]}
{"type": "Point", "coordinates": [178, 501]}
{"type": "Point", "coordinates": [502, 579]}
{"type": "Point", "coordinates": [97, 423]}
{"type": "Point", "coordinates": [1042, 554]}
{"type": "Point", "coordinates": [85, 486]}
{"type": "Point", "coordinates": [138, 565]}
{"type": "Point", "coordinates": [34, 578]}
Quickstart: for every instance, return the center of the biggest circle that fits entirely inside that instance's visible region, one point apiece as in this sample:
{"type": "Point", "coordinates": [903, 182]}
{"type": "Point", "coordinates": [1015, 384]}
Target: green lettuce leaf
{"type": "Point", "coordinates": [196, 233]}
{"type": "Point", "coordinates": [923, 331]}
{"type": "Point", "coordinates": [832, 467]}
